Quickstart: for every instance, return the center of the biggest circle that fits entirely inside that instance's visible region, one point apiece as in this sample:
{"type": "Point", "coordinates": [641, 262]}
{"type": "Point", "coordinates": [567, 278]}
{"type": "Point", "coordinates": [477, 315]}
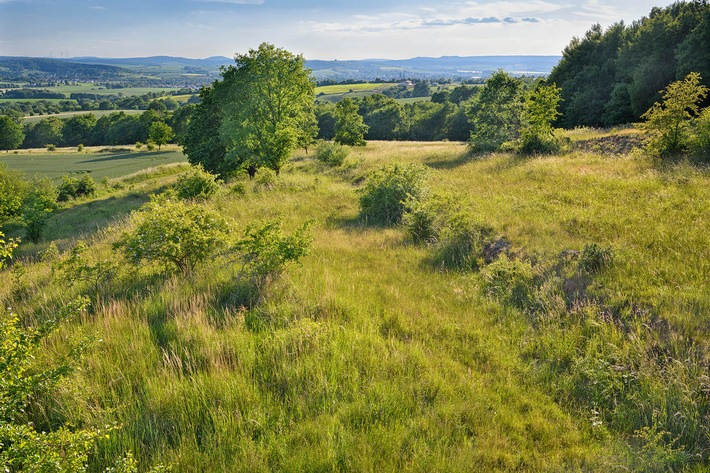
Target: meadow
{"type": "Point", "coordinates": [64, 115]}
{"type": "Point", "coordinates": [111, 163]}
{"type": "Point", "coordinates": [369, 356]}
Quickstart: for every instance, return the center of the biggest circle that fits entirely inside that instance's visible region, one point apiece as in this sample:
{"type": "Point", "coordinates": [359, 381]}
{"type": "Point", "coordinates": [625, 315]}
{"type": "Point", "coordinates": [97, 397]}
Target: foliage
{"type": "Point", "coordinates": [39, 202]}
{"type": "Point", "coordinates": [79, 268]}
{"type": "Point", "coordinates": [72, 187]}
{"type": "Point", "coordinates": [196, 184]}
{"type": "Point", "coordinates": [11, 133]}
{"type": "Point", "coordinates": [21, 379]}
{"type": "Point", "coordinates": [670, 119]}
{"type": "Point", "coordinates": [174, 234]}
{"type": "Point", "coordinates": [425, 217]}
{"type": "Point", "coordinates": [12, 191]}
{"type": "Point", "coordinates": [538, 114]}
{"type": "Point", "coordinates": [613, 76]}
{"type": "Point", "coordinates": [511, 281]}
{"type": "Point", "coordinates": [595, 258]}
{"type": "Point", "coordinates": [267, 103]}
{"type": "Point", "coordinates": [462, 243]}
{"type": "Point", "coordinates": [160, 133]}
{"type": "Point", "coordinates": [383, 197]}
{"type": "Point", "coordinates": [349, 127]}
{"type": "Point", "coordinates": [265, 251]}
{"type": "Point", "coordinates": [6, 248]}
{"type": "Point", "coordinates": [495, 113]}
{"type": "Point", "coordinates": [700, 144]}
{"type": "Point", "coordinates": [331, 153]}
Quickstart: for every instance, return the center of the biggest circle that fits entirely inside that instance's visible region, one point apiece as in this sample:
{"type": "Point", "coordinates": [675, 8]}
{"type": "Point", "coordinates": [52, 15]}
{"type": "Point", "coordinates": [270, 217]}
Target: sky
{"type": "Point", "coordinates": [318, 29]}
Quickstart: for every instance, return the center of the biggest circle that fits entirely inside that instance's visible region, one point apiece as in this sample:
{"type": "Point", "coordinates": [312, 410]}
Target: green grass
{"type": "Point", "coordinates": [111, 165]}
{"type": "Point", "coordinates": [337, 92]}
{"type": "Point", "coordinates": [366, 357]}
{"type": "Point", "coordinates": [64, 115]}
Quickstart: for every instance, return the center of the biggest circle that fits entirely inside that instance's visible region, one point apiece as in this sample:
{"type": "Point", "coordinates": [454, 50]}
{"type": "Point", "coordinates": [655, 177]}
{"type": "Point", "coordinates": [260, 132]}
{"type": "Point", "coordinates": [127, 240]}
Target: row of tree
{"type": "Point", "coordinates": [613, 76]}
{"type": "Point", "coordinates": [117, 128]}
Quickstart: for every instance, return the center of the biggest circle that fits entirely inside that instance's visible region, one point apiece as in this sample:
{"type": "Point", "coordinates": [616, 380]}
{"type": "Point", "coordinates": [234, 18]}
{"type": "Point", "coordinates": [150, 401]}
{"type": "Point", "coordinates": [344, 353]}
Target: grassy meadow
{"type": "Point", "coordinates": [65, 115]}
{"type": "Point", "coordinates": [368, 356]}
{"type": "Point", "coordinates": [98, 161]}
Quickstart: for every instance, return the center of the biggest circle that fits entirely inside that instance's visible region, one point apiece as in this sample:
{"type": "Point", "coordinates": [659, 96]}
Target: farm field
{"type": "Point", "coordinates": [371, 355]}
{"type": "Point", "coordinates": [337, 92]}
{"type": "Point", "coordinates": [98, 164]}
{"type": "Point", "coordinates": [64, 115]}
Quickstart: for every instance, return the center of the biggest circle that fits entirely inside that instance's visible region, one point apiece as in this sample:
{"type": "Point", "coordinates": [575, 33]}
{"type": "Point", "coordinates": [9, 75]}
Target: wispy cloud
{"type": "Point", "coordinates": [421, 23]}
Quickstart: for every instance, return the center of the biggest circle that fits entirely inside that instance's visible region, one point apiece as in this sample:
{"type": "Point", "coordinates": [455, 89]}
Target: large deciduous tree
{"type": "Point", "coordinates": [255, 116]}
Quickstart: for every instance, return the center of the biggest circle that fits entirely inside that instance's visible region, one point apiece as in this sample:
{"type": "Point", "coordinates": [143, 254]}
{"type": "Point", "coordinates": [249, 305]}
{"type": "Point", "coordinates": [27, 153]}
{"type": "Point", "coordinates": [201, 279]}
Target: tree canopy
{"type": "Point", "coordinates": [259, 109]}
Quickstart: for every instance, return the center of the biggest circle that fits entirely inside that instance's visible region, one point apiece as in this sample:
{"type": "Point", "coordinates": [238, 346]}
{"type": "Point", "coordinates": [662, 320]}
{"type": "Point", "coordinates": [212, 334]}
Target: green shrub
{"type": "Point", "coordinates": [6, 248]}
{"type": "Point", "coordinates": [265, 251]}
{"type": "Point", "coordinates": [266, 178]}
{"type": "Point", "coordinates": [462, 243]}
{"type": "Point", "coordinates": [72, 187]}
{"type": "Point", "coordinates": [535, 144]}
{"type": "Point", "coordinates": [197, 184]}
{"type": "Point", "coordinates": [595, 258]}
{"type": "Point", "coordinates": [80, 148]}
{"type": "Point", "coordinates": [511, 281]}
{"type": "Point", "coordinates": [425, 217]}
{"type": "Point", "coordinates": [40, 201]}
{"type": "Point", "coordinates": [701, 140]}
{"type": "Point", "coordinates": [173, 234]}
{"type": "Point", "coordinates": [386, 191]}
{"type": "Point", "coordinates": [51, 147]}
{"type": "Point", "coordinates": [331, 153]}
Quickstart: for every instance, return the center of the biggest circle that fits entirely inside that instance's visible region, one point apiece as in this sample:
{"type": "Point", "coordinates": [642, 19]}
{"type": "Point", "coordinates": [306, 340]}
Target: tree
{"type": "Point", "coordinates": [268, 98]}
{"type": "Point", "coordinates": [78, 128]}
{"type": "Point", "coordinates": [201, 140]}
{"type": "Point", "coordinates": [539, 112]}
{"type": "Point", "coordinates": [11, 134]}
{"type": "Point", "coordinates": [349, 127]}
{"type": "Point", "coordinates": [669, 119]}
{"type": "Point", "coordinates": [12, 191]}
{"type": "Point", "coordinates": [495, 112]}
{"type": "Point", "coordinates": [160, 133]}
{"type": "Point", "coordinates": [44, 132]}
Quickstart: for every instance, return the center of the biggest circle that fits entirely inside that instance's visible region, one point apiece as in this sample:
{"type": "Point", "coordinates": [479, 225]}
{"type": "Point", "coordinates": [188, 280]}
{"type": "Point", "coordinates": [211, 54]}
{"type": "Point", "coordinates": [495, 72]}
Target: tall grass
{"type": "Point", "coordinates": [366, 357]}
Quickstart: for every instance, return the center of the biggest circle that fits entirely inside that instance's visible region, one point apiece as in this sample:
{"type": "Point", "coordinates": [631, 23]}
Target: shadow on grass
{"type": "Point", "coordinates": [448, 163]}
{"type": "Point", "coordinates": [127, 155]}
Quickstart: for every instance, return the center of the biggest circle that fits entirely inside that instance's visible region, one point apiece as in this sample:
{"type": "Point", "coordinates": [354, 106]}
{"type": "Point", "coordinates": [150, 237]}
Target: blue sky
{"type": "Point", "coordinates": [319, 29]}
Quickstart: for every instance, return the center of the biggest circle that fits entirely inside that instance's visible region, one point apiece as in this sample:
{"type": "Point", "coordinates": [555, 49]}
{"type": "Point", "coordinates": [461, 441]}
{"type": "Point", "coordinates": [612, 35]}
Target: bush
{"type": "Point", "coordinates": [198, 184]}
{"type": "Point", "coordinates": [701, 141]}
{"type": "Point", "coordinates": [80, 148]}
{"type": "Point", "coordinates": [266, 251]}
{"type": "Point", "coordinates": [534, 144]}
{"type": "Point", "coordinates": [511, 281]}
{"type": "Point", "coordinates": [38, 204]}
{"type": "Point", "coordinates": [51, 147]}
{"type": "Point", "coordinates": [331, 153]}
{"type": "Point", "coordinates": [384, 196]}
{"type": "Point", "coordinates": [266, 178]}
{"type": "Point", "coordinates": [176, 235]}
{"type": "Point", "coordinates": [462, 243]}
{"type": "Point", "coordinates": [595, 258]}
{"type": "Point", "coordinates": [72, 187]}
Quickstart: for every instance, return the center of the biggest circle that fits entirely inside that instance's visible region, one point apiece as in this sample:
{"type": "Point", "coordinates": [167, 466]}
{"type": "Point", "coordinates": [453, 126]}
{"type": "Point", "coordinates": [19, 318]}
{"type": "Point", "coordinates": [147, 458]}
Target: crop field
{"type": "Point", "coordinates": [112, 165]}
{"type": "Point", "coordinates": [64, 115]}
{"type": "Point", "coordinates": [335, 93]}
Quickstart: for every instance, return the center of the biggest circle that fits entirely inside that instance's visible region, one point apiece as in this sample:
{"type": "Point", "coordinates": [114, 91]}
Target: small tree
{"type": "Point", "coordinates": [40, 201]}
{"type": "Point", "coordinates": [669, 120]}
{"type": "Point", "coordinates": [349, 127]}
{"type": "Point", "coordinates": [197, 184]}
{"type": "Point", "coordinates": [160, 133]}
{"type": "Point", "coordinates": [174, 234]}
{"type": "Point", "coordinates": [11, 134]}
{"type": "Point", "coordinates": [539, 112]}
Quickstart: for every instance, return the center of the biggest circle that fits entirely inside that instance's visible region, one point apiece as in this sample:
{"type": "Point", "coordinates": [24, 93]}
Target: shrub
{"type": "Point", "coordinates": [595, 258]}
{"type": "Point", "coordinates": [462, 243]}
{"type": "Point", "coordinates": [6, 248]}
{"type": "Point", "coordinates": [80, 148]}
{"type": "Point", "coordinates": [72, 187]}
{"type": "Point", "coordinates": [424, 218]}
{"type": "Point", "coordinates": [176, 235]}
{"type": "Point", "coordinates": [534, 144]}
{"type": "Point", "coordinates": [331, 153]}
{"type": "Point", "coordinates": [701, 141]}
{"type": "Point", "coordinates": [198, 184]}
{"type": "Point", "coordinates": [383, 198]}
{"type": "Point", "coordinates": [266, 178]}
{"type": "Point", "coordinates": [266, 251]}
{"type": "Point", "coordinates": [38, 204]}
{"type": "Point", "coordinates": [511, 281]}
{"type": "Point", "coordinates": [51, 147]}
{"type": "Point", "coordinates": [78, 268]}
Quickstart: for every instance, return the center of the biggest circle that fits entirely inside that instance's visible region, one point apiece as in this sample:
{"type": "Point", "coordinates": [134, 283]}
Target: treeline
{"type": "Point", "coordinates": [82, 101]}
{"type": "Point", "coordinates": [614, 76]}
{"type": "Point", "coordinates": [117, 128]}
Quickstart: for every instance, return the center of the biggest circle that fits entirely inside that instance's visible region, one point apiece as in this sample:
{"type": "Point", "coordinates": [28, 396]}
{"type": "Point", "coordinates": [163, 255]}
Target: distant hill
{"type": "Point", "coordinates": [196, 72]}
{"type": "Point", "coordinates": [14, 68]}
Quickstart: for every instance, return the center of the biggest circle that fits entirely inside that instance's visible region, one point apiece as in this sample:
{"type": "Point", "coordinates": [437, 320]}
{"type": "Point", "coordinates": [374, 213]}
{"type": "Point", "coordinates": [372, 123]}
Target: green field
{"type": "Point", "coordinates": [337, 92]}
{"type": "Point", "coordinates": [111, 165]}
{"type": "Point", "coordinates": [64, 115]}
{"type": "Point", "coordinates": [373, 356]}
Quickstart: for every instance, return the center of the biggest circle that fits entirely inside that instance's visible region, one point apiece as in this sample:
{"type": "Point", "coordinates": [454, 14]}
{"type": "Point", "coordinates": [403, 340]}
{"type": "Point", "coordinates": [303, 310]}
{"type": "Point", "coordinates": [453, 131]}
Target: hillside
{"type": "Point", "coordinates": [371, 354]}
{"type": "Point", "coordinates": [27, 68]}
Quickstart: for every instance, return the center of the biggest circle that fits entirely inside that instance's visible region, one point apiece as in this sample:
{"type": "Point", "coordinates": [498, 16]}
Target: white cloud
{"type": "Point", "coordinates": [234, 2]}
